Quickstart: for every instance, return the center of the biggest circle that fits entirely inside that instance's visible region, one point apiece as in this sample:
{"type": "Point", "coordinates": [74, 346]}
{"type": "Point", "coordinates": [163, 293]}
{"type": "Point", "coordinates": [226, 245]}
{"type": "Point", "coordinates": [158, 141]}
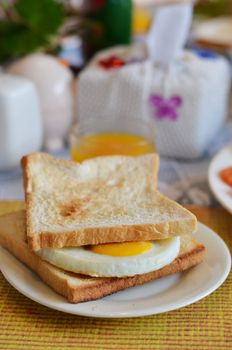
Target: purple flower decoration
{"type": "Point", "coordinates": [165, 108]}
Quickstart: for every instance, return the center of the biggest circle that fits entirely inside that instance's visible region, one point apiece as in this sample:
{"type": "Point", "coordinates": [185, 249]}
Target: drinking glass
{"type": "Point", "coordinates": [100, 136]}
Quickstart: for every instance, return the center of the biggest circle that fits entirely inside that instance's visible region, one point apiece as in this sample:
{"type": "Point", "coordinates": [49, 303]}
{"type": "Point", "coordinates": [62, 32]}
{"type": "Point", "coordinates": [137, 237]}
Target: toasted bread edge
{"type": "Point", "coordinates": [64, 282]}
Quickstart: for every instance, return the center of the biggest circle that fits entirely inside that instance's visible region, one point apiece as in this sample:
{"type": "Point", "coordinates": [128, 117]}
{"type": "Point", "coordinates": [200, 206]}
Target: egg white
{"type": "Point", "coordinates": [81, 260]}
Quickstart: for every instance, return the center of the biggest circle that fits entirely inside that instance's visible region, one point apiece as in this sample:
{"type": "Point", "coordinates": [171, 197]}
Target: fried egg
{"type": "Point", "coordinates": [116, 259]}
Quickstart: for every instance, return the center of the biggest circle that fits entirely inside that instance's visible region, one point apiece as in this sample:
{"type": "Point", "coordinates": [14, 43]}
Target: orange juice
{"type": "Point", "coordinates": [110, 143]}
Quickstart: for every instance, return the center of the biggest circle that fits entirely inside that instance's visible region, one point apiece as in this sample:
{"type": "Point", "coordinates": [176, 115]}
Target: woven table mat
{"type": "Point", "coordinates": [207, 324]}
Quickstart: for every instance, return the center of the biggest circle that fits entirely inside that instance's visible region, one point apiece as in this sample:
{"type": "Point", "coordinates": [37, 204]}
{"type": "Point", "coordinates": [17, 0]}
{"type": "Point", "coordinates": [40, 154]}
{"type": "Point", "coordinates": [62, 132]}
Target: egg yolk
{"type": "Point", "coordinates": [121, 249]}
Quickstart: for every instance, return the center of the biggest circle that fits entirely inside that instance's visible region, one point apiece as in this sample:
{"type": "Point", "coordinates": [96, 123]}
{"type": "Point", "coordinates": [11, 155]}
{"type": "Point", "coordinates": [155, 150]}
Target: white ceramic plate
{"type": "Point", "coordinates": [163, 295]}
{"type": "Point", "coordinates": [220, 189]}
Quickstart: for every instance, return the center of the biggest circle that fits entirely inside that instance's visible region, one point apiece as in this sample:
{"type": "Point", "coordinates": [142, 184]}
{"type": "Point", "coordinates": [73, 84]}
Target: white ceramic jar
{"type": "Point", "coordinates": [53, 83]}
{"type": "Point", "coordinates": [20, 120]}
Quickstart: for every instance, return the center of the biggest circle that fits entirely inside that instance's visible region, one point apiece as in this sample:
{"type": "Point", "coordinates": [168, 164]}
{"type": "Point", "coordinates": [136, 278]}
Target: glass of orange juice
{"type": "Point", "coordinates": [98, 137]}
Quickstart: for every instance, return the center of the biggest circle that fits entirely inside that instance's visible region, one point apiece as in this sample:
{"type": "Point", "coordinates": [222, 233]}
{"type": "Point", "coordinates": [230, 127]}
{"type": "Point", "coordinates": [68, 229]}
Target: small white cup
{"type": "Point", "coordinates": [21, 129]}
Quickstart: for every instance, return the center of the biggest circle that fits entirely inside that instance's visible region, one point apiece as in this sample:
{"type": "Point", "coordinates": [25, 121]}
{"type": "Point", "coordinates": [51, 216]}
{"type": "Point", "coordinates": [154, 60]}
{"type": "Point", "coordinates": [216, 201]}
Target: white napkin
{"type": "Point", "coordinates": [169, 32]}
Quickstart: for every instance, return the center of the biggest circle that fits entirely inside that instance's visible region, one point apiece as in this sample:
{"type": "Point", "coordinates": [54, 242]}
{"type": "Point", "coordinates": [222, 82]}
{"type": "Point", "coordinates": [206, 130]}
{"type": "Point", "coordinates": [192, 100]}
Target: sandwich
{"type": "Point", "coordinates": [98, 227]}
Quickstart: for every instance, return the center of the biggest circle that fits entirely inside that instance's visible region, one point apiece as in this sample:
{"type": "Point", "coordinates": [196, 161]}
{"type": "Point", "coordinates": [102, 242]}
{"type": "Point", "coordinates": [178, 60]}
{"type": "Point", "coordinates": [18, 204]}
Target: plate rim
{"type": "Point", "coordinates": [133, 313]}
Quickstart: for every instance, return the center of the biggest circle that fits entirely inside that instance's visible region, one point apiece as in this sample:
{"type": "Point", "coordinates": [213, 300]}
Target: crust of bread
{"type": "Point", "coordinates": [28, 190]}
{"type": "Point", "coordinates": [99, 235]}
{"type": "Point", "coordinates": [185, 224]}
{"type": "Point", "coordinates": [79, 288]}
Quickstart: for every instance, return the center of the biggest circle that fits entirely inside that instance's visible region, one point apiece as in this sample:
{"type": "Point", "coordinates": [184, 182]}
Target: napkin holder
{"type": "Point", "coordinates": [184, 92]}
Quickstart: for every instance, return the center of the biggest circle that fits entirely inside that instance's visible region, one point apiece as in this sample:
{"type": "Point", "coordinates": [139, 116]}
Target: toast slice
{"type": "Point", "coordinates": [78, 288]}
{"type": "Point", "coordinates": [102, 200]}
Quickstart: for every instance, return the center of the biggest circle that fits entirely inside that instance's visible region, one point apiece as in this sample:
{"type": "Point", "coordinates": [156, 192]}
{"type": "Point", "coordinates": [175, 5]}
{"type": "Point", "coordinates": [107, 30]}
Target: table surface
{"type": "Point", "coordinates": [205, 325]}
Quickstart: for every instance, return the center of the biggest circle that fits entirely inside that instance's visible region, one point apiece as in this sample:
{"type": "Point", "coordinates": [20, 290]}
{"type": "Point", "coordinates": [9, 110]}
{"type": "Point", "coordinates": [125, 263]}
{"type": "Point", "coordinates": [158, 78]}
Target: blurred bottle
{"type": "Point", "coordinates": [108, 22]}
{"type": "Point", "coordinates": [71, 52]}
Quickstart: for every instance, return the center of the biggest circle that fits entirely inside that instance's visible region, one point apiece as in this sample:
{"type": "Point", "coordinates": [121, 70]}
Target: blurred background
{"type": "Point", "coordinates": [46, 52]}
{"type": "Point", "coordinates": [74, 29]}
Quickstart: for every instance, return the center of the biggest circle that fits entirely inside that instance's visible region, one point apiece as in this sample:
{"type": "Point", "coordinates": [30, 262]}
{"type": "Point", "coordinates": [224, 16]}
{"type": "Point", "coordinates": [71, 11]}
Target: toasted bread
{"type": "Point", "coordinates": [78, 288]}
{"type": "Point", "coordinates": [105, 199]}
